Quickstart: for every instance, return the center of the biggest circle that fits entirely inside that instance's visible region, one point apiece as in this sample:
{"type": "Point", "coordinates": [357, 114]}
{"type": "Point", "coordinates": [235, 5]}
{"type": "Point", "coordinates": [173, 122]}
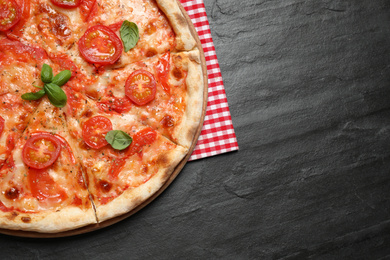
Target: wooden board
{"type": "Point", "coordinates": [177, 170]}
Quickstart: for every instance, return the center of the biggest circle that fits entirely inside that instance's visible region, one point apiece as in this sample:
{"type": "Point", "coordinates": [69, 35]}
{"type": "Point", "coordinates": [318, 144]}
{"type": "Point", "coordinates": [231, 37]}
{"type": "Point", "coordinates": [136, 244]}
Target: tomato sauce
{"type": "Point", "coordinates": [44, 188]}
{"type": "Point", "coordinates": [16, 51]}
{"type": "Point", "coordinates": [162, 69]}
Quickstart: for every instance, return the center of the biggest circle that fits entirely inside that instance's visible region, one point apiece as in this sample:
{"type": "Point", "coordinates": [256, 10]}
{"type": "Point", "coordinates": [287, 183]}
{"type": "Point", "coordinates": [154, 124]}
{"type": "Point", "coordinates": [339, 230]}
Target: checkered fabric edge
{"type": "Point", "coordinates": [217, 135]}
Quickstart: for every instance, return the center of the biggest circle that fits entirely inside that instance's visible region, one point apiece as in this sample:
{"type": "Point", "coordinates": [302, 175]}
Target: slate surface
{"type": "Point", "coordinates": [308, 88]}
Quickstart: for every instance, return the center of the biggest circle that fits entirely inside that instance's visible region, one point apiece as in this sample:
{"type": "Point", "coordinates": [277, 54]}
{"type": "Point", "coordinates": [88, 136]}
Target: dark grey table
{"type": "Point", "coordinates": [308, 84]}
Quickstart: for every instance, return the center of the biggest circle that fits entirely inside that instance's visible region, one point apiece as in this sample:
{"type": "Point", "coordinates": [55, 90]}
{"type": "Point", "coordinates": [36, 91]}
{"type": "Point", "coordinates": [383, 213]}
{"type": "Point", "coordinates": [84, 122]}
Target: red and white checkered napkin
{"type": "Point", "coordinates": [217, 134]}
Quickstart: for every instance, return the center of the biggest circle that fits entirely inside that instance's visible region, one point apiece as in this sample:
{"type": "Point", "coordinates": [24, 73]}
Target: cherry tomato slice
{"type": "Point", "coordinates": [95, 130]}
{"type": "Point", "coordinates": [41, 150]}
{"type": "Point", "coordinates": [10, 14]}
{"type": "Point", "coordinates": [66, 3]}
{"type": "Point", "coordinates": [100, 45]}
{"type": "Point", "coordinates": [140, 87]}
{"type": "Point", "coordinates": [2, 122]}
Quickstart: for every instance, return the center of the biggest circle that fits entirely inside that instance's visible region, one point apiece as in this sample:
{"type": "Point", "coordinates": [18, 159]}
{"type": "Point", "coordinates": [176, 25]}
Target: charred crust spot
{"type": "Point", "coordinates": [178, 58]}
{"type": "Point", "coordinates": [181, 21]}
{"type": "Point", "coordinates": [88, 113]}
{"type": "Point", "coordinates": [105, 186]}
{"type": "Point", "coordinates": [163, 160]}
{"type": "Point", "coordinates": [26, 219]}
{"type": "Point", "coordinates": [151, 52]}
{"type": "Point", "coordinates": [12, 215]}
{"type": "Point", "coordinates": [177, 73]}
{"type": "Point", "coordinates": [12, 193]}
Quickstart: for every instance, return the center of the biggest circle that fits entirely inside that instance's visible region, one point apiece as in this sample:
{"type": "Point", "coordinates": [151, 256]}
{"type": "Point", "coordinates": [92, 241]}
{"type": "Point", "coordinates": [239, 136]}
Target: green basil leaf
{"type": "Point", "coordinates": [33, 95]}
{"type": "Point", "coordinates": [129, 35]}
{"type": "Point", "coordinates": [62, 77]}
{"type": "Point", "coordinates": [55, 94]}
{"type": "Point", "coordinates": [118, 139]}
{"type": "Point", "coordinates": [46, 73]}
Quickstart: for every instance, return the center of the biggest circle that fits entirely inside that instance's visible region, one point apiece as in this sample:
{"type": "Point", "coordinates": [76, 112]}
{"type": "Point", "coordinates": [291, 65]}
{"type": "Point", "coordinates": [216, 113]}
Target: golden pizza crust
{"type": "Point", "coordinates": [184, 39]}
{"type": "Point", "coordinates": [48, 221]}
{"type": "Point", "coordinates": [133, 197]}
{"type": "Point", "coordinates": [190, 61]}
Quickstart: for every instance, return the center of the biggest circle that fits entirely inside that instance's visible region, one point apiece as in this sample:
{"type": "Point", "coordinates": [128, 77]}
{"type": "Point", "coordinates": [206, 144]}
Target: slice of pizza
{"type": "Point", "coordinates": [127, 167]}
{"type": "Point", "coordinates": [56, 28]}
{"type": "Point", "coordinates": [20, 67]}
{"type": "Point", "coordinates": [42, 187]}
{"type": "Point", "coordinates": [164, 92]}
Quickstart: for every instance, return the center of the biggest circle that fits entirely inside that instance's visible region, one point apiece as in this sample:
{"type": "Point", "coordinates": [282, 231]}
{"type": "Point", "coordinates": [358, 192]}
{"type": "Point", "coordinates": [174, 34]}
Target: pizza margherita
{"type": "Point", "coordinates": [100, 100]}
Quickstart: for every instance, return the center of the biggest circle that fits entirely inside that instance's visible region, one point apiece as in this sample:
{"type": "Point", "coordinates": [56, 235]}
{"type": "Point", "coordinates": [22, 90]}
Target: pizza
{"type": "Point", "coordinates": [100, 101]}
